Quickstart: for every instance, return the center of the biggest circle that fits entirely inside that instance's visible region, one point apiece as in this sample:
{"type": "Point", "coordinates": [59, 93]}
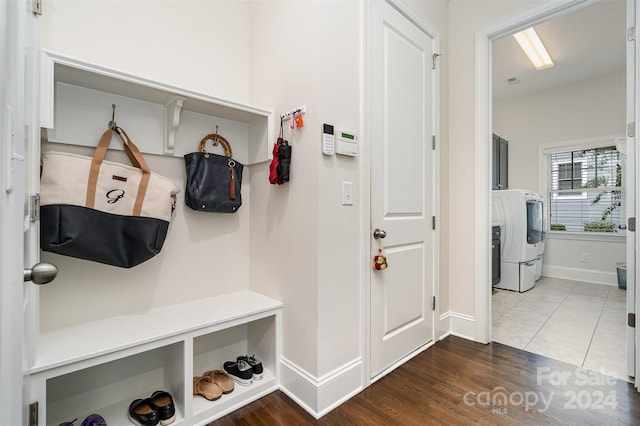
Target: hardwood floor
{"type": "Point", "coordinates": [458, 382]}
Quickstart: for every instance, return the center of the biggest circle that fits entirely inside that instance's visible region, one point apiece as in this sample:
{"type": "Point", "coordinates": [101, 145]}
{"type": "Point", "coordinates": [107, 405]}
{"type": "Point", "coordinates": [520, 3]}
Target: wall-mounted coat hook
{"type": "Point", "coordinates": [296, 111]}
{"type": "Point", "coordinates": [112, 123]}
{"type": "Point", "coordinates": [214, 140]}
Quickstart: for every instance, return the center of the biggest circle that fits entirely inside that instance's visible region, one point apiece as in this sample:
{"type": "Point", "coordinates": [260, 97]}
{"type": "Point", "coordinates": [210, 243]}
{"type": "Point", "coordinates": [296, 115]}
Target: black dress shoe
{"type": "Point", "coordinates": [164, 406]}
{"type": "Point", "coordinates": [142, 412]}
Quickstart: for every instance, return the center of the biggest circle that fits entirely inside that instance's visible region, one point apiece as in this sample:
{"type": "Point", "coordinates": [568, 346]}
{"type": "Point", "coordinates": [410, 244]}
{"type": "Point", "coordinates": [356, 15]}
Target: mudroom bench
{"type": "Point", "coordinates": [101, 366]}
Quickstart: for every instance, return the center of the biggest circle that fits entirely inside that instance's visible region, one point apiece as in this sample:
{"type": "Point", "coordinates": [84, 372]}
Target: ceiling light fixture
{"type": "Point", "coordinates": [533, 47]}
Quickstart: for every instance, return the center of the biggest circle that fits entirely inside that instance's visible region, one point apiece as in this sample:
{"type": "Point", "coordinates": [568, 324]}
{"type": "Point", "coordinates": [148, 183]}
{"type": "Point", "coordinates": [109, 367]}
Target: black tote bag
{"type": "Point", "coordinates": [213, 181]}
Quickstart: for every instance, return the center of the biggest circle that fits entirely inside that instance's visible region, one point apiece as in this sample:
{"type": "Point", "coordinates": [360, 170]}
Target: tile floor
{"type": "Point", "coordinates": [576, 322]}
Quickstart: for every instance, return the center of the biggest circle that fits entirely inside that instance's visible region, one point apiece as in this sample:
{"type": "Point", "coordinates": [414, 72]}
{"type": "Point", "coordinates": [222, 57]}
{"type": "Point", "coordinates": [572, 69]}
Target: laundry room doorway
{"type": "Point", "coordinates": [581, 112]}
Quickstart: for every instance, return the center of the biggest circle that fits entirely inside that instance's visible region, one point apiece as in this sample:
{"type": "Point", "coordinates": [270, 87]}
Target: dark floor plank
{"type": "Point", "coordinates": [459, 382]}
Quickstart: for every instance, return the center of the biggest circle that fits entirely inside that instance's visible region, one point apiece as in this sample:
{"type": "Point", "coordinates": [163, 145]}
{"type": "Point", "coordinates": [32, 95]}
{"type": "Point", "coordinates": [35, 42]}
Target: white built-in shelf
{"type": "Point", "coordinates": [96, 338]}
{"type": "Point", "coordinates": [101, 366]}
{"type": "Point", "coordinates": [161, 119]}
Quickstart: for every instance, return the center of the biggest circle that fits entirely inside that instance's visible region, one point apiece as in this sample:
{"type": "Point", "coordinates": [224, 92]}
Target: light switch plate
{"type": "Point", "coordinates": [347, 193]}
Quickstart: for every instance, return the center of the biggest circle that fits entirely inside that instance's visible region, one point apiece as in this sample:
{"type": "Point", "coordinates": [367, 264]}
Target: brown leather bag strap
{"type": "Point", "coordinates": [216, 138]}
{"type": "Point", "coordinates": [136, 159]}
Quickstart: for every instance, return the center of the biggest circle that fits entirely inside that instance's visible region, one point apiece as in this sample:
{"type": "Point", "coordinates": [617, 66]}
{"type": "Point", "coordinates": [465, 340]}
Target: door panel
{"type": "Point", "coordinates": [401, 307]}
{"type": "Point", "coordinates": [402, 180]}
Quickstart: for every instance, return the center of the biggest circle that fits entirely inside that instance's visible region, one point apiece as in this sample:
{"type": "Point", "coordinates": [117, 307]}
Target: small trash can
{"type": "Point", "coordinates": [621, 269]}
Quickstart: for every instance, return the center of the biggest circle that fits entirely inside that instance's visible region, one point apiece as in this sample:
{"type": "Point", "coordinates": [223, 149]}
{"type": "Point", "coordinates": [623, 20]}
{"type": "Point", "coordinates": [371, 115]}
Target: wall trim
{"type": "Point", "coordinates": [460, 325]}
{"type": "Point", "coordinates": [319, 395]}
{"type": "Point", "coordinates": [579, 274]}
{"type": "Point", "coordinates": [612, 237]}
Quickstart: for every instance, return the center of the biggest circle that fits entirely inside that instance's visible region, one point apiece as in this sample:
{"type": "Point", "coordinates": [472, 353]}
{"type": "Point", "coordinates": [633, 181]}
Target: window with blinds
{"type": "Point", "coordinates": [585, 190]}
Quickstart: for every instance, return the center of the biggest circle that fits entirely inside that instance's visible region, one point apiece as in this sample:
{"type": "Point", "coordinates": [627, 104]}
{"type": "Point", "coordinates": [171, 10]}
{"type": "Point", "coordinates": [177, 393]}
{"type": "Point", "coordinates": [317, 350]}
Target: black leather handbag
{"type": "Point", "coordinates": [213, 181]}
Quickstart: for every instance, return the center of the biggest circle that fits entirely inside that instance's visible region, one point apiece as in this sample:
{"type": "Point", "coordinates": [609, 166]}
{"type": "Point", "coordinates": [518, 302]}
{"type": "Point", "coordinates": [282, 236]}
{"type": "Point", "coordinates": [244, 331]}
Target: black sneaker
{"type": "Point", "coordinates": [240, 372]}
{"type": "Point", "coordinates": [256, 365]}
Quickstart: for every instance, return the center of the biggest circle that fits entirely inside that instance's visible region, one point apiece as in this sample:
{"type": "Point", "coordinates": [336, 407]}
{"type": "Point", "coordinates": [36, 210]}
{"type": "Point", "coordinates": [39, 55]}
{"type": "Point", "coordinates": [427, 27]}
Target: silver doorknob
{"type": "Point", "coordinates": [41, 273]}
{"type": "Point", "coordinates": [379, 233]}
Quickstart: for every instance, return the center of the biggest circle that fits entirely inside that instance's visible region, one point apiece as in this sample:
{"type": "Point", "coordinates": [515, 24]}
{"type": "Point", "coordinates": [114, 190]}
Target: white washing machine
{"type": "Point", "coordinates": [520, 215]}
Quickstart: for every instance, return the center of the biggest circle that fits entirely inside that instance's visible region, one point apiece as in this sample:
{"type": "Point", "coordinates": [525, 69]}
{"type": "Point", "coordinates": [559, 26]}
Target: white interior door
{"type": "Point", "coordinates": [12, 86]}
{"type": "Point", "coordinates": [19, 143]}
{"type": "Point", "coordinates": [402, 186]}
{"type": "Point", "coordinates": [630, 195]}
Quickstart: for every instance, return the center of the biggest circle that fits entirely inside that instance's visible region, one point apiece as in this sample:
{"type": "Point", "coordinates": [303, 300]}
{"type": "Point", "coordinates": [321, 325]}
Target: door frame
{"type": "Point", "coordinates": [414, 16]}
{"type": "Point", "coordinates": [483, 128]}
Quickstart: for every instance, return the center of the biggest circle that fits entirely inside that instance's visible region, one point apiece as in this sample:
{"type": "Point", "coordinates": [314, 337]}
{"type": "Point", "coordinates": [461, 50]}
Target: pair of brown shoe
{"type": "Point", "coordinates": [212, 384]}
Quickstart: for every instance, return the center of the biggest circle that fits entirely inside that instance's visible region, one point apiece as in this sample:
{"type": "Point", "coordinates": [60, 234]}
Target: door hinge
{"type": "Point", "coordinates": [631, 320]}
{"type": "Point", "coordinates": [631, 224]}
{"type": "Point", "coordinates": [434, 303]}
{"type": "Point", "coordinates": [435, 59]}
{"type": "Point", "coordinates": [433, 222]}
{"type": "Point", "coordinates": [433, 142]}
{"type": "Point", "coordinates": [33, 414]}
{"type": "Point", "coordinates": [631, 34]}
{"type": "Point", "coordinates": [631, 129]}
{"type": "Point", "coordinates": [35, 207]}
{"type": "Point", "coordinates": [36, 7]}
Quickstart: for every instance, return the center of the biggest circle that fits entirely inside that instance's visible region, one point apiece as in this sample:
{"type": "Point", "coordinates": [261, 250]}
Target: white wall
{"type": "Point", "coordinates": [562, 259]}
{"type": "Point", "coordinates": [582, 110]}
{"type": "Point", "coordinates": [466, 17]}
{"type": "Point", "coordinates": [194, 44]}
{"type": "Point", "coordinates": [174, 42]}
{"type": "Point", "coordinates": [284, 250]}
{"type": "Point", "coordinates": [339, 255]}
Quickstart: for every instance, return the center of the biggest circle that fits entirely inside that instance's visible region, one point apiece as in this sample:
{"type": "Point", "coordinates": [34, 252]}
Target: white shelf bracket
{"type": "Point", "coordinates": [172, 111]}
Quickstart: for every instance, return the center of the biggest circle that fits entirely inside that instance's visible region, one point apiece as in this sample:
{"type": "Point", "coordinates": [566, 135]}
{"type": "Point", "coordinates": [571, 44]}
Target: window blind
{"type": "Point", "coordinates": [585, 190]}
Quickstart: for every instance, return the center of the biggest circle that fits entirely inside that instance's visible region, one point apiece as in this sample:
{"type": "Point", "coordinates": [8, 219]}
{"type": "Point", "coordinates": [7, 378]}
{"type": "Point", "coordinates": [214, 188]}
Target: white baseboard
{"type": "Point", "coordinates": [461, 325]}
{"type": "Point", "coordinates": [318, 396]}
{"type": "Point", "coordinates": [579, 274]}
{"type": "Point", "coordinates": [444, 326]}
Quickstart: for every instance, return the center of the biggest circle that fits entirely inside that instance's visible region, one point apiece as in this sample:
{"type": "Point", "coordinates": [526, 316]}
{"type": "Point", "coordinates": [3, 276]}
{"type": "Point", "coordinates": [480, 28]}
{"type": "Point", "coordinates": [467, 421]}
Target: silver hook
{"type": "Point", "coordinates": [215, 140]}
{"type": "Point", "coordinates": [112, 123]}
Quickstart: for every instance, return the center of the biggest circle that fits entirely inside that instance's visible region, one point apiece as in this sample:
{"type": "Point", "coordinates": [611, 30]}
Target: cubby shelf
{"type": "Point", "coordinates": [101, 366]}
{"type": "Point", "coordinates": [77, 98]}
